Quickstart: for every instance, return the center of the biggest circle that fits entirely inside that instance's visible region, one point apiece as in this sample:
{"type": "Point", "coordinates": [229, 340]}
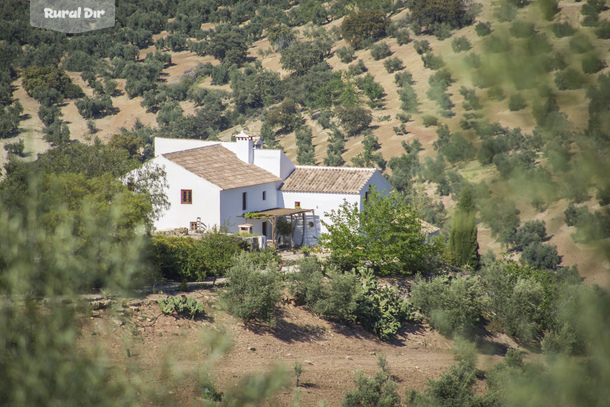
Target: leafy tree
{"type": "Point", "coordinates": [386, 233]}
{"type": "Point", "coordinates": [9, 119]}
{"type": "Point", "coordinates": [425, 14]}
{"type": "Point", "coordinates": [256, 88]}
{"type": "Point", "coordinates": [281, 36]}
{"type": "Point", "coordinates": [284, 115]}
{"type": "Point", "coordinates": [460, 44]}
{"type": "Point", "coordinates": [404, 167]}
{"type": "Point", "coordinates": [228, 47]}
{"type": "Point", "coordinates": [353, 119]}
{"type": "Point", "coordinates": [380, 51]}
{"type": "Point", "coordinates": [369, 158]}
{"type": "Point", "coordinates": [95, 107]}
{"type": "Point", "coordinates": [50, 77]}
{"type": "Point", "coordinates": [408, 97]}
{"type": "Point", "coordinates": [373, 90]}
{"type": "Point", "coordinates": [463, 237]}
{"type": "Point", "coordinates": [453, 305]}
{"type": "Point", "coordinates": [170, 112]}
{"type": "Point", "coordinates": [335, 149]}
{"type": "Point", "coordinates": [305, 152]}
{"type": "Point", "coordinates": [345, 54]}
{"type": "Point", "coordinates": [516, 102]}
{"type": "Point", "coordinates": [252, 293]}
{"type": "Point", "coordinates": [542, 256]}
{"type": "Point", "coordinates": [57, 133]}
{"type": "Point", "coordinates": [16, 148]}
{"type": "Point", "coordinates": [302, 56]}
{"type": "Point", "coordinates": [364, 24]}
{"type": "Point", "coordinates": [393, 64]}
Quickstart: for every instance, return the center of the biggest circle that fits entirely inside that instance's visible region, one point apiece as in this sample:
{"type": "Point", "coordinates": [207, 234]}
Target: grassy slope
{"type": "Point", "coordinates": [593, 266]}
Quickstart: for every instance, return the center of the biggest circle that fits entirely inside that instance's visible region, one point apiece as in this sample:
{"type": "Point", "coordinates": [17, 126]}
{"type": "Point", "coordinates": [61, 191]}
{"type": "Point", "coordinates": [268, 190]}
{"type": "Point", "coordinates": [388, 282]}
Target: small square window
{"type": "Point", "coordinates": [186, 196]}
{"type": "Point", "coordinates": [264, 195]}
{"type": "Point", "coordinates": [297, 204]}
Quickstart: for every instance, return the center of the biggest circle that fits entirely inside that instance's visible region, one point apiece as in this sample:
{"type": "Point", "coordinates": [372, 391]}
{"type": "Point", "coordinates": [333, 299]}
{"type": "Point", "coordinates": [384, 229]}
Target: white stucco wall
{"type": "Point", "coordinates": [231, 205]}
{"type": "Point", "coordinates": [380, 183]}
{"type": "Point", "coordinates": [321, 203]}
{"type": "Point", "coordinates": [206, 198]}
{"type": "Point", "coordinates": [274, 161]}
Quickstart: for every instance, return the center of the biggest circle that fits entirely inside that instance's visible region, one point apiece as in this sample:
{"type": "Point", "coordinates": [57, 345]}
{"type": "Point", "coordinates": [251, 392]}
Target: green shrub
{"type": "Point", "coordinates": [563, 29]}
{"type": "Point", "coordinates": [403, 79]}
{"type": "Point", "coordinates": [521, 298]}
{"type": "Point", "coordinates": [184, 258]}
{"type": "Point", "coordinates": [345, 54]}
{"type": "Point", "coordinates": [15, 148]}
{"type": "Point", "coordinates": [516, 102]}
{"type": "Point", "coordinates": [306, 285]}
{"type": "Point", "coordinates": [483, 29]}
{"type": "Point", "coordinates": [408, 97]}
{"type": "Point", "coordinates": [252, 293]}
{"type": "Point", "coordinates": [473, 60]}
{"type": "Point", "coordinates": [340, 300]}
{"type": "Point", "coordinates": [592, 64]}
{"type": "Point", "coordinates": [373, 90]}
{"type": "Point", "coordinates": [603, 30]}
{"type": "Point", "coordinates": [429, 120]}
{"type": "Point", "coordinates": [381, 310]}
{"type": "Point", "coordinates": [393, 64]}
{"type": "Point", "coordinates": [432, 61]}
{"type": "Point", "coordinates": [379, 390]}
{"type": "Point", "coordinates": [380, 51]}
{"type": "Point", "coordinates": [460, 44]}
{"type": "Point", "coordinates": [580, 44]}
{"type": "Point", "coordinates": [569, 79]}
{"type": "Point", "coordinates": [181, 305]}
{"type": "Point", "coordinates": [506, 11]}
{"type": "Point", "coordinates": [402, 36]}
{"type": "Point", "coordinates": [357, 68]}
{"type": "Point", "coordinates": [421, 47]}
{"type": "Point", "coordinates": [453, 305]}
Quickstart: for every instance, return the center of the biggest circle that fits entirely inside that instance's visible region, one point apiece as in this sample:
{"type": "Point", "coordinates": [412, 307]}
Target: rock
{"type": "Point", "coordinates": [349, 358]}
{"type": "Point", "coordinates": [117, 322]}
{"type": "Point", "coordinates": [252, 348]}
{"type": "Point", "coordinates": [309, 362]}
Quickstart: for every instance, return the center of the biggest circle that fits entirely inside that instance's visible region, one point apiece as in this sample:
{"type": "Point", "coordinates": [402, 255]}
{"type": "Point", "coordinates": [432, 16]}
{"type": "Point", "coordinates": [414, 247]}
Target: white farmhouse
{"type": "Point", "coordinates": [216, 183]}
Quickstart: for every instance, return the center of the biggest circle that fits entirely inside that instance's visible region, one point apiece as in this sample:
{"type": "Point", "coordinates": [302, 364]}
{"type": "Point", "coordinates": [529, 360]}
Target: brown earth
{"type": "Point", "coordinates": [171, 351]}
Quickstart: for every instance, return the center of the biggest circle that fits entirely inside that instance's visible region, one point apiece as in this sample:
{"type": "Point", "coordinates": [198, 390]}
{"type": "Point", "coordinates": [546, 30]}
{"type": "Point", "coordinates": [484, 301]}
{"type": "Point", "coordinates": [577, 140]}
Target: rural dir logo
{"type": "Point", "coordinates": [72, 16]}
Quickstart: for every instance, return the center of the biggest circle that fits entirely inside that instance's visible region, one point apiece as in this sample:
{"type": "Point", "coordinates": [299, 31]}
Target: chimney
{"type": "Point", "coordinates": [245, 147]}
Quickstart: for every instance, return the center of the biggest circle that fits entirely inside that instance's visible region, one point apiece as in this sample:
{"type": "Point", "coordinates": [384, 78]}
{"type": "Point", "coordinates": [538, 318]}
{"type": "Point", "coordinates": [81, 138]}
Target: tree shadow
{"type": "Point", "coordinates": [400, 338]}
{"type": "Point", "coordinates": [286, 331]}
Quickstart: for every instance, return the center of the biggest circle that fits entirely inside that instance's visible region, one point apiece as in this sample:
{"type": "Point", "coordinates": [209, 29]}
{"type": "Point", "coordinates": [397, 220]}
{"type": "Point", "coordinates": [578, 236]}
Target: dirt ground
{"type": "Point", "coordinates": [171, 351]}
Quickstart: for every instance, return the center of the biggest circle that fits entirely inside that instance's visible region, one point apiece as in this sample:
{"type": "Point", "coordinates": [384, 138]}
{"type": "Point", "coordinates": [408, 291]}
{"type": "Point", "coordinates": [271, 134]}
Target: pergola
{"type": "Point", "coordinates": [274, 214]}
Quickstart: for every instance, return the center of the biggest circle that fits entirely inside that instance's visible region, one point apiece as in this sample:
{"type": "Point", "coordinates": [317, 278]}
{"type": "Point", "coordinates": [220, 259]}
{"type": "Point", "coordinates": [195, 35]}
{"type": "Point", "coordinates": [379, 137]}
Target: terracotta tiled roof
{"type": "Point", "coordinates": [221, 167]}
{"type": "Point", "coordinates": [327, 179]}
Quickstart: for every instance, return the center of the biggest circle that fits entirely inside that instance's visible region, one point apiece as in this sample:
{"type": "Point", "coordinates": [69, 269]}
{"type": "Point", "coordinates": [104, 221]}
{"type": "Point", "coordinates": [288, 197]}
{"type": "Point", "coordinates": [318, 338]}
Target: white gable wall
{"type": "Point", "coordinates": [380, 183]}
{"type": "Point", "coordinates": [274, 161]}
{"type": "Point", "coordinates": [206, 198]}
{"type": "Point", "coordinates": [321, 203]}
{"type": "Point", "coordinates": [231, 212]}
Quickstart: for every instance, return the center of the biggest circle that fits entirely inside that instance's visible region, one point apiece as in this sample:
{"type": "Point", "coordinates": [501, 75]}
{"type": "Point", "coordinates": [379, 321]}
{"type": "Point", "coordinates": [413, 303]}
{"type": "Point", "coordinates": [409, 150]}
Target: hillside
{"type": "Point", "coordinates": [572, 102]}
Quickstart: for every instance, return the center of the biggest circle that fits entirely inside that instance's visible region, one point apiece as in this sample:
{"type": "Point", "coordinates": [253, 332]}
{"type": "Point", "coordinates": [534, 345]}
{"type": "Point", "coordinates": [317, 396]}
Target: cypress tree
{"type": "Point", "coordinates": [463, 236]}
